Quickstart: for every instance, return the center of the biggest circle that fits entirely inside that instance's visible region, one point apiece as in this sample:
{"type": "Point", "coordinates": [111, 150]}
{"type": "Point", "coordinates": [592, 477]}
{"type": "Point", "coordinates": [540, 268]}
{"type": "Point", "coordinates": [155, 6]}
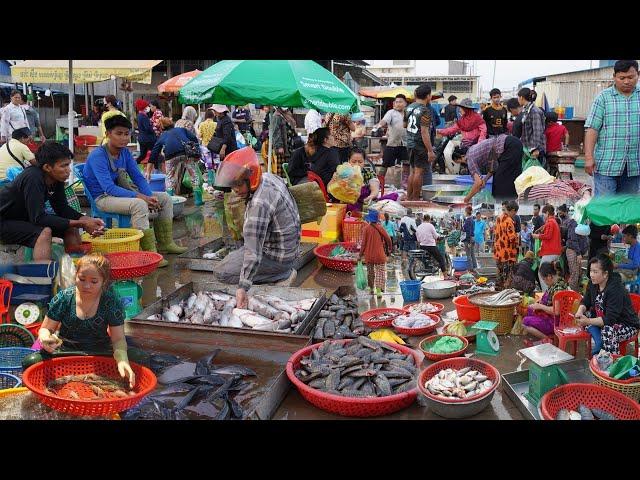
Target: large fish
{"type": "Point", "coordinates": [252, 319]}
{"type": "Point", "coordinates": [266, 310]}
{"type": "Point", "coordinates": [277, 303]}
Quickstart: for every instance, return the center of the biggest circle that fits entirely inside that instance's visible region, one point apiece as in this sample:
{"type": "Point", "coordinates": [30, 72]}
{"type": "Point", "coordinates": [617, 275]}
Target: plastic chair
{"type": "Point", "coordinates": [285, 169]}
{"type": "Point", "coordinates": [6, 287]}
{"type": "Point", "coordinates": [124, 221]}
{"type": "Point", "coordinates": [563, 305]}
{"type": "Point", "coordinates": [635, 302]}
{"type": "Point", "coordinates": [313, 177]}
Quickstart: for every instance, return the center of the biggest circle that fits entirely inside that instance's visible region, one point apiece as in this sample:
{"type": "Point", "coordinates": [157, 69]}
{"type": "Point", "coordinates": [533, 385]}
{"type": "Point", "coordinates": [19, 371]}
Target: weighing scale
{"type": "Point", "coordinates": [544, 372]}
{"type": "Point", "coordinates": [27, 313]}
{"type": "Point", "coordinates": [486, 340]}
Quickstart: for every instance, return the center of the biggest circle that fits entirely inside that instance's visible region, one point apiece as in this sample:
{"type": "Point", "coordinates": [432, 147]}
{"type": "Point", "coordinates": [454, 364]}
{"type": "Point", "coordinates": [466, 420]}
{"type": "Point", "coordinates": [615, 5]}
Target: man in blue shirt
{"type": "Point", "coordinates": [103, 177]}
{"type": "Point", "coordinates": [629, 270]}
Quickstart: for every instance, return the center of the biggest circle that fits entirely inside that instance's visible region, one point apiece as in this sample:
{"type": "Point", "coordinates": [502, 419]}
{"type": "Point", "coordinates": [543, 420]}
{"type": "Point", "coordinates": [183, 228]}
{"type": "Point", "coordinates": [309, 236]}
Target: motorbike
{"type": "Point", "coordinates": [422, 264]}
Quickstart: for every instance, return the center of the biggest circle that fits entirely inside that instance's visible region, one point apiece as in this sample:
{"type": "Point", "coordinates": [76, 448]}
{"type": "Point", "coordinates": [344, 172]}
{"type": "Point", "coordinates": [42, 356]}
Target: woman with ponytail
{"type": "Point", "coordinates": [533, 124]}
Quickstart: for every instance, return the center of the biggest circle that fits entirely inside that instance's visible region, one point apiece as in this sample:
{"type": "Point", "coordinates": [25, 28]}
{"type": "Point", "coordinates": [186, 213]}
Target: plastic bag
{"type": "Point", "coordinates": [346, 183]}
{"type": "Point", "coordinates": [361, 277]}
{"type": "Point", "coordinates": [186, 179]}
{"type": "Point", "coordinates": [393, 208]}
{"type": "Point", "coordinates": [310, 201]}
{"type": "Point", "coordinates": [234, 208]}
{"type": "Point", "coordinates": [67, 273]}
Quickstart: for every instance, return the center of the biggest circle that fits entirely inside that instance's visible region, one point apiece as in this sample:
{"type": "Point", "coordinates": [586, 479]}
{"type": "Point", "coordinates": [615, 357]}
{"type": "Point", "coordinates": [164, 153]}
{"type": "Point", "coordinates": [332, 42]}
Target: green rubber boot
{"type": "Point", "coordinates": [164, 233]}
{"type": "Point", "coordinates": [197, 198]}
{"type": "Point", "coordinates": [148, 244]}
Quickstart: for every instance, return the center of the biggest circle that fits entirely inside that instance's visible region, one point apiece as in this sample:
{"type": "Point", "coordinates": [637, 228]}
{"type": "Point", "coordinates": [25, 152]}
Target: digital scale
{"type": "Point", "coordinates": [544, 371]}
{"type": "Point", "coordinates": [487, 342]}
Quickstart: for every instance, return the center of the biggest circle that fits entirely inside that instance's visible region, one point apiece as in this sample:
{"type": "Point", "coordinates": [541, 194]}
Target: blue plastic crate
{"type": "Point", "coordinates": [9, 381]}
{"type": "Point", "coordinates": [45, 269]}
{"type": "Point", "coordinates": [11, 359]}
{"type": "Point", "coordinates": [157, 182]}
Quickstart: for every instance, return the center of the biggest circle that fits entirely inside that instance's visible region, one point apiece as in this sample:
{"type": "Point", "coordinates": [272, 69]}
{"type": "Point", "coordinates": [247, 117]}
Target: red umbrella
{"type": "Point", "coordinates": [176, 83]}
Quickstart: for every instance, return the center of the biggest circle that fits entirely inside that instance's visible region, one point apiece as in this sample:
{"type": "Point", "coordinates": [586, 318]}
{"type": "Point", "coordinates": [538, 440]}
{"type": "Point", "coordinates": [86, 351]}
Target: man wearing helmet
{"type": "Point", "coordinates": [271, 228]}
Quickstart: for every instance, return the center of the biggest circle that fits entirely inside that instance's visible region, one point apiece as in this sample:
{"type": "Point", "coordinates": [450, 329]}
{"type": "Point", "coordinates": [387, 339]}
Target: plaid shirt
{"type": "Point", "coordinates": [616, 118]}
{"type": "Point", "coordinates": [481, 155]}
{"type": "Point", "coordinates": [533, 125]}
{"type": "Point", "coordinates": [271, 227]}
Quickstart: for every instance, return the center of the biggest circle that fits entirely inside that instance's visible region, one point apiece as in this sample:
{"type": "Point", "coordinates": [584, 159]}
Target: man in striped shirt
{"type": "Point", "coordinates": [612, 137]}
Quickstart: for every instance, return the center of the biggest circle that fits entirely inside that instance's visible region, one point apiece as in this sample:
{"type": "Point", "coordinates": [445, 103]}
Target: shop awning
{"type": "Point", "coordinates": [84, 71]}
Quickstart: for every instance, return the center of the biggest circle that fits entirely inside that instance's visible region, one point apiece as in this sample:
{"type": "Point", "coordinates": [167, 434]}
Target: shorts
{"type": "Point", "coordinates": [418, 158]}
{"type": "Point", "coordinates": [393, 155]}
{"type": "Point", "coordinates": [23, 233]}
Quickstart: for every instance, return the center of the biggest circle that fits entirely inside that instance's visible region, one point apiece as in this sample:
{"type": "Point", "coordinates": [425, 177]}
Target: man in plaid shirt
{"type": "Point", "coordinates": [612, 137]}
{"type": "Point", "coordinates": [271, 228]}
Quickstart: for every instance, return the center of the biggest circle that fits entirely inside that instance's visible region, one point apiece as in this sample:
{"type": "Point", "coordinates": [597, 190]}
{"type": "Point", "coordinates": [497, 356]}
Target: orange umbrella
{"type": "Point", "coordinates": [176, 83]}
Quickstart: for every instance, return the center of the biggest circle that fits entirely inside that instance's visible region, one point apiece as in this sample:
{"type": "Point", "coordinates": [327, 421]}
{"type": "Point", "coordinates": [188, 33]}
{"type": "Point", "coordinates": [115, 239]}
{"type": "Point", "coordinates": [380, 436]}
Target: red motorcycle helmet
{"type": "Point", "coordinates": [615, 228]}
{"type": "Point", "coordinates": [237, 167]}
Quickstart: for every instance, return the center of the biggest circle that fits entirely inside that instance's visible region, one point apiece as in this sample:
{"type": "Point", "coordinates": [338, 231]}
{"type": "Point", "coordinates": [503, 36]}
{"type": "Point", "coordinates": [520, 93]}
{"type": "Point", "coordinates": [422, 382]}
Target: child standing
{"type": "Point", "coordinates": [376, 246]}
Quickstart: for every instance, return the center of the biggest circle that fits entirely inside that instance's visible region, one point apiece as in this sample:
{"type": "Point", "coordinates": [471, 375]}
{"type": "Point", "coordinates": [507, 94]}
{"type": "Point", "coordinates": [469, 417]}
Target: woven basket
{"type": "Point", "coordinates": [504, 315]}
{"type": "Point", "coordinates": [628, 388]}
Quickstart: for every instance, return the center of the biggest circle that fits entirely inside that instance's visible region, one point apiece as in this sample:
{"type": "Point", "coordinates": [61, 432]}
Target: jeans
{"type": "Point", "coordinates": [605, 185]}
{"type": "Point", "coordinates": [596, 334]}
{"type": "Point", "coordinates": [472, 263]}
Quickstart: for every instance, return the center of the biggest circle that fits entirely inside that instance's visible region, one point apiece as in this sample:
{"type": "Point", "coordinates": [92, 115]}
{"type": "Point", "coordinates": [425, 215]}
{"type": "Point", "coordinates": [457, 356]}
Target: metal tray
{"type": "Point", "coordinates": [429, 191]}
{"type": "Point", "coordinates": [515, 384]}
{"type": "Point", "coordinates": [193, 260]}
{"type": "Point", "coordinates": [266, 354]}
{"type": "Point", "coordinates": [285, 293]}
{"type": "Point", "coordinates": [444, 179]}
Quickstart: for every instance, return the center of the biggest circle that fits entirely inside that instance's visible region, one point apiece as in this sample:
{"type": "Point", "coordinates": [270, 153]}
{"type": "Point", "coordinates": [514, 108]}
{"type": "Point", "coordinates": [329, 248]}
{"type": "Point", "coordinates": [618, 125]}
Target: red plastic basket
{"type": "Point", "coordinates": [323, 251]}
{"type": "Point", "coordinates": [347, 406]}
{"type": "Point", "coordinates": [436, 357]}
{"type": "Point", "coordinates": [592, 396]}
{"type": "Point", "coordinates": [466, 310]}
{"type": "Point", "coordinates": [37, 376]}
{"type": "Point", "coordinates": [485, 368]}
{"type": "Point", "coordinates": [415, 332]}
{"type": "Point", "coordinates": [352, 228]}
{"type": "Point", "coordinates": [132, 264]}
{"type": "Point", "coordinates": [366, 316]}
{"type": "Point", "coordinates": [407, 307]}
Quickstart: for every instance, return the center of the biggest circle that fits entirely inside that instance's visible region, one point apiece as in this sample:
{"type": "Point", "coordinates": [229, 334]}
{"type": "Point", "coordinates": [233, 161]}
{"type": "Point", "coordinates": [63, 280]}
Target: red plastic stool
{"type": "Point", "coordinates": [6, 287]}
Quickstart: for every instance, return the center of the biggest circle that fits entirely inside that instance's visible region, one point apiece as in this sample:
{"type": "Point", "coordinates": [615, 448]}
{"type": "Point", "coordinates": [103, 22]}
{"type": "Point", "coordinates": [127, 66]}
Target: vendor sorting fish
{"type": "Point", "coordinates": [264, 312]}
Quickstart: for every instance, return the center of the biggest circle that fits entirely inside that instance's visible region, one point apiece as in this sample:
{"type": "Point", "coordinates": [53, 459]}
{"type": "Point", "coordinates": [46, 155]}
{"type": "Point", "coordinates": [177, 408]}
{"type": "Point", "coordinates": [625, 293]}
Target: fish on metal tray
{"type": "Point", "coordinates": [161, 361]}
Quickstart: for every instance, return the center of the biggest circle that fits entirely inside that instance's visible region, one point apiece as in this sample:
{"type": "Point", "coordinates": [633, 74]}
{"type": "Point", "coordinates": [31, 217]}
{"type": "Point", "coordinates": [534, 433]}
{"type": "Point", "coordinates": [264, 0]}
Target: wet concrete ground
{"type": "Point", "coordinates": [200, 225]}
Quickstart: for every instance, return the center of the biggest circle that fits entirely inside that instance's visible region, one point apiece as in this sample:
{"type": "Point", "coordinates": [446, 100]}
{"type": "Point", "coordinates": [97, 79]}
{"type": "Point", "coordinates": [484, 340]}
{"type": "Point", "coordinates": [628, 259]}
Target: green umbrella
{"type": "Point", "coordinates": [284, 83]}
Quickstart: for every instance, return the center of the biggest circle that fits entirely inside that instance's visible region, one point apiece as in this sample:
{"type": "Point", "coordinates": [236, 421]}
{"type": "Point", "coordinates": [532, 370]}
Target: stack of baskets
{"type": "Point", "coordinates": [629, 387]}
{"type": "Point", "coordinates": [502, 314]}
{"type": "Point", "coordinates": [115, 240]}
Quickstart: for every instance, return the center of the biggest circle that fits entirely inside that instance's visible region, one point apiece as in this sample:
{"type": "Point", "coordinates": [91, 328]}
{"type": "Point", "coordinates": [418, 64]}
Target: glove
{"type": "Point", "coordinates": [122, 360]}
{"type": "Point", "coordinates": [386, 335]}
{"type": "Point", "coordinates": [49, 341]}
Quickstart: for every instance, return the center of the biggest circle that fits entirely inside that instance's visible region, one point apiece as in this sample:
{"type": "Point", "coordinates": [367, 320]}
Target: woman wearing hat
{"type": "Point", "coordinates": [225, 132]}
{"type": "Point", "coordinates": [376, 247]}
{"type": "Point", "coordinates": [471, 124]}
{"type": "Point", "coordinates": [524, 277]}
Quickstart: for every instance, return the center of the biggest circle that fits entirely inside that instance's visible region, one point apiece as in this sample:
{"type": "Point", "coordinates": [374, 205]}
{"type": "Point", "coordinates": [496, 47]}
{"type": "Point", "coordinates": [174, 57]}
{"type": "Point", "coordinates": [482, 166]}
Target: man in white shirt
{"type": "Point", "coordinates": [312, 121]}
{"type": "Point", "coordinates": [16, 145]}
{"type": "Point", "coordinates": [395, 150]}
{"type": "Point", "coordinates": [14, 116]}
{"type": "Point", "coordinates": [427, 239]}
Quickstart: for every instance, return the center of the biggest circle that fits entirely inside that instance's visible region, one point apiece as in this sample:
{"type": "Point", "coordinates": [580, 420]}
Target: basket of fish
{"type": "Point", "coordinates": [264, 311]}
{"type": "Point", "coordinates": [339, 319]}
{"type": "Point", "coordinates": [424, 307]}
{"type": "Point", "coordinates": [338, 256]}
{"type": "Point", "coordinates": [458, 387]}
{"type": "Point", "coordinates": [381, 317]}
{"type": "Point", "coordinates": [498, 307]}
{"type": "Point", "coordinates": [441, 347]}
{"type": "Point", "coordinates": [587, 401]}
{"type": "Point", "coordinates": [87, 385]}
{"type": "Point", "coordinates": [356, 378]}
{"type": "Point", "coordinates": [415, 324]}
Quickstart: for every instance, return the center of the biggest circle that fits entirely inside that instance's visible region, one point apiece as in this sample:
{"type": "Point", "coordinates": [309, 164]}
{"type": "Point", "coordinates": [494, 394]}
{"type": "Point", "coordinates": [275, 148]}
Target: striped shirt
{"type": "Point", "coordinates": [616, 118]}
{"type": "Point", "coordinates": [271, 227]}
{"type": "Point", "coordinates": [480, 156]}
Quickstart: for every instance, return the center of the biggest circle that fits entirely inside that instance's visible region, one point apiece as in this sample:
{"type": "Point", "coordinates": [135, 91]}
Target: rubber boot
{"type": "Point", "coordinates": [170, 192]}
{"type": "Point", "coordinates": [164, 234]}
{"type": "Point", "coordinates": [197, 198]}
{"type": "Point", "coordinates": [148, 244]}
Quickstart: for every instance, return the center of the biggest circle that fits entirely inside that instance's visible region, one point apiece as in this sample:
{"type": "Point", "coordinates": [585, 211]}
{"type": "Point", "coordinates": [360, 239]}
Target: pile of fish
{"type": "Point", "coordinates": [457, 384]}
{"type": "Point", "coordinates": [422, 308]}
{"type": "Point", "coordinates": [339, 319]}
{"type": "Point", "coordinates": [217, 255]}
{"type": "Point", "coordinates": [361, 368]}
{"type": "Point", "coordinates": [346, 256]}
{"type": "Point", "coordinates": [505, 297]}
{"type": "Point", "coordinates": [213, 388]}
{"type": "Point", "coordinates": [414, 320]}
{"type": "Point", "coordinates": [265, 312]}
{"type": "Point", "coordinates": [488, 287]}
{"type": "Point", "coordinates": [584, 413]}
{"type": "Point", "coordinates": [99, 387]}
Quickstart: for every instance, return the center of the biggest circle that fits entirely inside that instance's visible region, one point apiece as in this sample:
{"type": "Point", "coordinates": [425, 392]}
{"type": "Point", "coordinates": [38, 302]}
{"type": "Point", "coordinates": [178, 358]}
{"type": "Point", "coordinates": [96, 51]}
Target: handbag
{"type": "Point", "coordinates": [215, 144]}
{"type": "Point", "coordinates": [122, 179]}
{"type": "Point", "coordinates": [191, 149]}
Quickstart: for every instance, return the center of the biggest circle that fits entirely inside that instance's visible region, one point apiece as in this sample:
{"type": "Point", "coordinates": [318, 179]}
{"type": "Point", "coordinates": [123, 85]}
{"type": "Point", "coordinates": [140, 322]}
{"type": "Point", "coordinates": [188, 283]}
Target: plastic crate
{"type": "Point", "coordinates": [157, 182]}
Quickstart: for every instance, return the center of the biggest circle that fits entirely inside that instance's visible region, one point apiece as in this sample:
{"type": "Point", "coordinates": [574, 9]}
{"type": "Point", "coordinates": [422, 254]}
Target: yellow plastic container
{"type": "Point", "coordinates": [329, 229]}
{"type": "Point", "coordinates": [115, 240]}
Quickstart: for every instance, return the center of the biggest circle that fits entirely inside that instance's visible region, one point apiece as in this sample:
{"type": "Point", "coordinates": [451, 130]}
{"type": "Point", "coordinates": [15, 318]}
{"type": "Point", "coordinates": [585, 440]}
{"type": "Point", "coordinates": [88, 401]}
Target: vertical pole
{"type": "Point", "coordinates": [270, 150]}
{"type": "Point", "coordinates": [493, 81]}
{"type": "Point", "coordinates": [70, 118]}
{"type": "Point", "coordinates": [331, 66]}
{"type": "Point", "coordinates": [86, 98]}
{"type": "Point", "coordinates": [93, 91]}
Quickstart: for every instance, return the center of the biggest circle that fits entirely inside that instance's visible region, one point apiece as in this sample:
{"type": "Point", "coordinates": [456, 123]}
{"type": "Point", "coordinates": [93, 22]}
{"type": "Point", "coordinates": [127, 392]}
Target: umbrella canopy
{"type": "Point", "coordinates": [84, 71]}
{"type": "Point", "coordinates": [174, 84]}
{"type": "Point", "coordinates": [284, 83]}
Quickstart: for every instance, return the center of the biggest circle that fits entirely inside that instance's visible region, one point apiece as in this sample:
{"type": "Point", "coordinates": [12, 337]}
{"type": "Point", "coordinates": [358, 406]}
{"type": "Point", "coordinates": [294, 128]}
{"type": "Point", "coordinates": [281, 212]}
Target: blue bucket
{"type": "Point", "coordinates": [459, 263]}
{"type": "Point", "coordinates": [410, 290]}
{"type": "Point", "coordinates": [156, 184]}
